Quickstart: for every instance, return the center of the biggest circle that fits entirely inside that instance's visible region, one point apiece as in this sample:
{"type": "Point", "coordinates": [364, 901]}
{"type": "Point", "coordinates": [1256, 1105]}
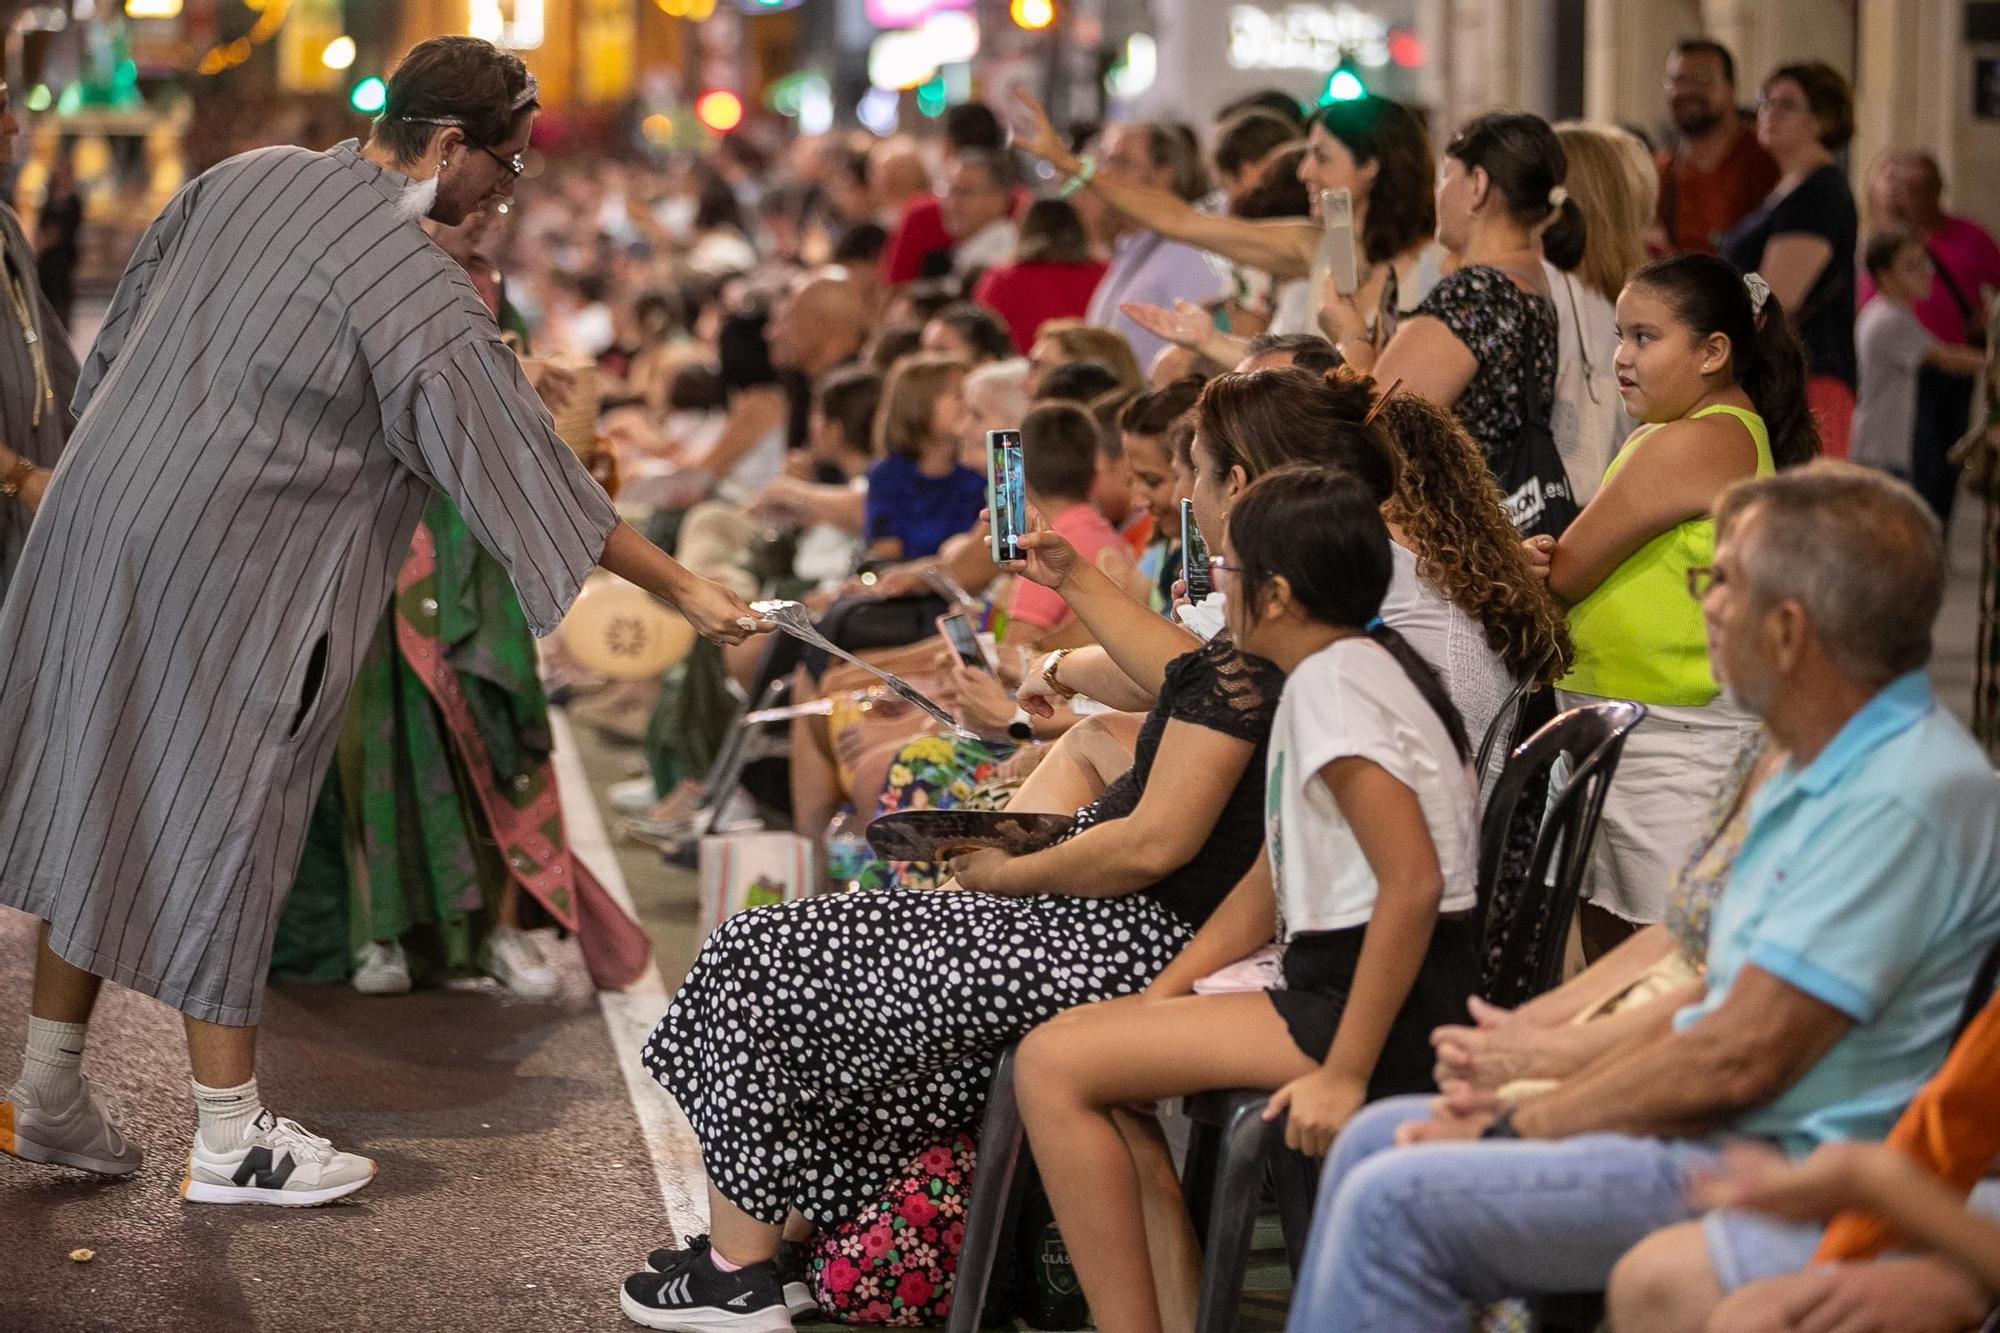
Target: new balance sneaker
{"type": "Point", "coordinates": [685, 1291]}
{"type": "Point", "coordinates": [280, 1163]}
{"type": "Point", "coordinates": [80, 1135]}
{"type": "Point", "coordinates": [382, 968]}
{"type": "Point", "coordinates": [514, 960]}
{"type": "Point", "coordinates": [792, 1276]}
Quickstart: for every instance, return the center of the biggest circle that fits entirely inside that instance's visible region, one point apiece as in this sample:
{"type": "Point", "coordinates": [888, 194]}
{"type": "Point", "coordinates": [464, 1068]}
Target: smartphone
{"type": "Point", "coordinates": [1335, 255]}
{"type": "Point", "coordinates": [1194, 556]}
{"type": "Point", "coordinates": [1006, 494]}
{"type": "Point", "coordinates": [964, 640]}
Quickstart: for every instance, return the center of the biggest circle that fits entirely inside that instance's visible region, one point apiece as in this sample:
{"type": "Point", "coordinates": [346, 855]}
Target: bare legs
{"type": "Point", "coordinates": [63, 994]}
{"type": "Point", "coordinates": [1077, 1073]}
{"type": "Point", "coordinates": [222, 1057]}
{"type": "Point", "coordinates": [1089, 757]}
{"type": "Point", "coordinates": [739, 1237]}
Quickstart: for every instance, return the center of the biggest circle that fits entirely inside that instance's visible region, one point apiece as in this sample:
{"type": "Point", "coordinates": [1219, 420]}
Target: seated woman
{"type": "Point", "coordinates": [816, 1046]}
{"type": "Point", "coordinates": [1367, 878]}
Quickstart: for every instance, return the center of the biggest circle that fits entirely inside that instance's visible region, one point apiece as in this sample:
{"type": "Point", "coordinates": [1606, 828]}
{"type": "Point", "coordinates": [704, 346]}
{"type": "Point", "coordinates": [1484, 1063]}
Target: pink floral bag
{"type": "Point", "coordinates": [895, 1262]}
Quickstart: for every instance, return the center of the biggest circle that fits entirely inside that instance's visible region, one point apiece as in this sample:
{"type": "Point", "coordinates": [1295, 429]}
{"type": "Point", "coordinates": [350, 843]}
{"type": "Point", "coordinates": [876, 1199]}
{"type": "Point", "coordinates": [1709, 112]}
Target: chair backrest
{"type": "Point", "coordinates": [1532, 862]}
{"type": "Point", "coordinates": [1984, 982]}
{"type": "Point", "coordinates": [1504, 729]}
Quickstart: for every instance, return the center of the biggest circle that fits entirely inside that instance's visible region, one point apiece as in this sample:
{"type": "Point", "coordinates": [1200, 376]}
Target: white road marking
{"type": "Point", "coordinates": [629, 1015]}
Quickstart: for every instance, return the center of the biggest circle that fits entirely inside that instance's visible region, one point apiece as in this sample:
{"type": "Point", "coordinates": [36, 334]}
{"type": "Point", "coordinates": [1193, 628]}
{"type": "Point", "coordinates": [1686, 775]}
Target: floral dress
{"type": "Point", "coordinates": [817, 1046]}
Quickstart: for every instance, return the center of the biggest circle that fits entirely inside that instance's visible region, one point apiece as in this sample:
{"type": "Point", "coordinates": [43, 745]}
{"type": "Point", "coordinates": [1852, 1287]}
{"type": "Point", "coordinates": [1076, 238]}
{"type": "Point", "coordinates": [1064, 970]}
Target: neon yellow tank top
{"type": "Point", "coordinates": [1639, 635]}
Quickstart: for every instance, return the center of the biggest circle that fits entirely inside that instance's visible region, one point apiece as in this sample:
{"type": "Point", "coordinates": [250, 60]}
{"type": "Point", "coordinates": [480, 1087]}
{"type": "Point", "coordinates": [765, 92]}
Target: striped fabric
{"type": "Point", "coordinates": [287, 369]}
{"type": "Point", "coordinates": [41, 443]}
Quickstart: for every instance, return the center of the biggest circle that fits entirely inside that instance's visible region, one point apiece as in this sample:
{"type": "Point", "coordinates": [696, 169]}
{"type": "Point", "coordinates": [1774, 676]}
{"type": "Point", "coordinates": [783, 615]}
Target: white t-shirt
{"type": "Point", "coordinates": [1890, 344]}
{"type": "Point", "coordinates": [1352, 698]}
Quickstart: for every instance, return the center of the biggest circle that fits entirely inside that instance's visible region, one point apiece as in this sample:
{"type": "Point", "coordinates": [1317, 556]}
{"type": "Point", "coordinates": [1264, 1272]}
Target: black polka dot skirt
{"type": "Point", "coordinates": [819, 1045]}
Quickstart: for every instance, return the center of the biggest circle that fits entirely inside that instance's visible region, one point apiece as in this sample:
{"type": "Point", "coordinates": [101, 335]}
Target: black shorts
{"type": "Point", "coordinates": [1319, 973]}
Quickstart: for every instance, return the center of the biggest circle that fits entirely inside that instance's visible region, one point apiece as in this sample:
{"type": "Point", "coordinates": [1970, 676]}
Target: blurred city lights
{"type": "Point", "coordinates": [720, 110]}
{"type": "Point", "coordinates": [369, 96]}
{"type": "Point", "coordinates": [339, 53]}
{"type": "Point", "coordinates": [1034, 15]}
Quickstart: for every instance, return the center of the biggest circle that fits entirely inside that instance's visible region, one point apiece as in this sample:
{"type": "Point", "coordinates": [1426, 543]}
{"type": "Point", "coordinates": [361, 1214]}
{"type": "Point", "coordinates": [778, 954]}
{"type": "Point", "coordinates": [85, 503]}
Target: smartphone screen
{"type": "Point", "coordinates": [964, 640]}
{"type": "Point", "coordinates": [1336, 241]}
{"type": "Point", "coordinates": [1006, 494]}
{"type": "Point", "coordinates": [1194, 555]}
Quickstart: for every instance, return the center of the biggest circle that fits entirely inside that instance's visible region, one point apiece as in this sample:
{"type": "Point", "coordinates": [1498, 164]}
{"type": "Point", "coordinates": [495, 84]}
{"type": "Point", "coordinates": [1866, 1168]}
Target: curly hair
{"type": "Point", "coordinates": [1449, 506]}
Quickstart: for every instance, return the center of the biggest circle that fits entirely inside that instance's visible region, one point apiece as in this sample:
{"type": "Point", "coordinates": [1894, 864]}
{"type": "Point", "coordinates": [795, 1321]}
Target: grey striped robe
{"type": "Point", "coordinates": [38, 441]}
{"type": "Point", "coordinates": [287, 369]}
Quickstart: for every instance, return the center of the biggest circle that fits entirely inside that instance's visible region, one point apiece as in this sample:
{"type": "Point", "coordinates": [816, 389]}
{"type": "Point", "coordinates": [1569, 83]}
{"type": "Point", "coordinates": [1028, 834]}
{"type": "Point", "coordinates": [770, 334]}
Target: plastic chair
{"type": "Point", "coordinates": [1233, 1145]}
{"type": "Point", "coordinates": [1526, 903]}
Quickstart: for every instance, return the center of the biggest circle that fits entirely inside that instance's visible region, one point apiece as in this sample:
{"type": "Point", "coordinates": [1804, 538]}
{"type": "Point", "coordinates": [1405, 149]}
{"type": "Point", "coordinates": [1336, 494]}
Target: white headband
{"type": "Point", "coordinates": [1760, 292]}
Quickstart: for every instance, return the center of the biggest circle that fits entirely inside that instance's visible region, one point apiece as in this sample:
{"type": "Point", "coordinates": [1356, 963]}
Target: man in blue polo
{"type": "Point", "coordinates": [1858, 907]}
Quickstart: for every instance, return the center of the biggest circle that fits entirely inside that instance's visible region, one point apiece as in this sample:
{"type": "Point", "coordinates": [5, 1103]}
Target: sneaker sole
{"type": "Point", "coordinates": [707, 1319]}
{"type": "Point", "coordinates": [28, 1150]}
{"type": "Point", "coordinates": [799, 1300]}
{"type": "Point", "coordinates": [198, 1191]}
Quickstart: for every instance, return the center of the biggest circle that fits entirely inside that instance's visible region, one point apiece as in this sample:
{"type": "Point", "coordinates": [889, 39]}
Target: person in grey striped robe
{"type": "Point", "coordinates": [37, 372]}
{"type": "Point", "coordinates": [287, 370]}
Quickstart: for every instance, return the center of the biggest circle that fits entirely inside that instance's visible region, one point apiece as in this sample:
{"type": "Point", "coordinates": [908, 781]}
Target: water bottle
{"type": "Point", "coordinates": [847, 852]}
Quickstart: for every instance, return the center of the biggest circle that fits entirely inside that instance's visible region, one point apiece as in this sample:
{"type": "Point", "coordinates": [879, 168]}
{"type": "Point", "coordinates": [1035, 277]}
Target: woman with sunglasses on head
{"type": "Point", "coordinates": [1367, 879]}
{"type": "Point", "coordinates": [1708, 362]}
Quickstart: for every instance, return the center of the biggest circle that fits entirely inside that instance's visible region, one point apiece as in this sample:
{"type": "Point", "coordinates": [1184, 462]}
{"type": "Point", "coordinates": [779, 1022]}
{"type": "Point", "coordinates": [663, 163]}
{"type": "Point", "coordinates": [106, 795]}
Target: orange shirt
{"type": "Point", "coordinates": [1951, 1128]}
{"type": "Point", "coordinates": [1697, 206]}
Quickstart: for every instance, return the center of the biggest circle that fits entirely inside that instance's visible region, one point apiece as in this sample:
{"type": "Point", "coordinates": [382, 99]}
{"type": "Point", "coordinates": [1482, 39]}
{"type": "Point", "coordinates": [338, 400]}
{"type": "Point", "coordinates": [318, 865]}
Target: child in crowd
{"type": "Point", "coordinates": [1367, 879]}
{"type": "Point", "coordinates": [1059, 460]}
{"type": "Point", "coordinates": [1707, 360]}
{"type": "Point", "coordinates": [919, 494]}
{"type": "Point", "coordinates": [1893, 345]}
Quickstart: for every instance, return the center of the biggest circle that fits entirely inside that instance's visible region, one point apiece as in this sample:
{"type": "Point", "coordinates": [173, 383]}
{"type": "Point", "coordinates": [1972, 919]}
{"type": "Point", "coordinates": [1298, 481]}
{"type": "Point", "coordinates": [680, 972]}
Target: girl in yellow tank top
{"type": "Point", "coordinates": [1707, 361]}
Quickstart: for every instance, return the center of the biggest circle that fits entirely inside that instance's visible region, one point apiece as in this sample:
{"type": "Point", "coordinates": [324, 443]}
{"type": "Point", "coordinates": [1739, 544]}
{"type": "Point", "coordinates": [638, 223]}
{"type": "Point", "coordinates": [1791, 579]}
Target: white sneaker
{"type": "Point", "coordinates": [382, 968]}
{"type": "Point", "coordinates": [513, 960]}
{"type": "Point", "coordinates": [81, 1135]}
{"type": "Point", "coordinates": [634, 797]}
{"type": "Point", "coordinates": [280, 1163]}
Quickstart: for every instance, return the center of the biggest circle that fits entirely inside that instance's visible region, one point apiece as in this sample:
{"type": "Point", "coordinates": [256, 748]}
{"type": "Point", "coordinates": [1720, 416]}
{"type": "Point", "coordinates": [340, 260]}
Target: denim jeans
{"type": "Point", "coordinates": [1404, 1238]}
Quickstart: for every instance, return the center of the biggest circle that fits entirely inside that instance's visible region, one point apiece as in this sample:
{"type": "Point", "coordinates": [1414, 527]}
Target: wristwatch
{"type": "Point", "coordinates": [1502, 1126]}
{"type": "Point", "coordinates": [1050, 665]}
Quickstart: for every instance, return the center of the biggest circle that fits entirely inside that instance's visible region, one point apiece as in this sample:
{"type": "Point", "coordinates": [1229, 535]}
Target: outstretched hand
{"type": "Point", "coordinates": [719, 615]}
{"type": "Point", "coordinates": [1034, 133]}
{"type": "Point", "coordinates": [1186, 325]}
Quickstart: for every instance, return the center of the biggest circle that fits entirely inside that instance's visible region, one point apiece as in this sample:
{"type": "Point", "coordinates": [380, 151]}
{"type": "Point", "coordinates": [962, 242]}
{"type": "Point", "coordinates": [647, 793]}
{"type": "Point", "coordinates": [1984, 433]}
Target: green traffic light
{"type": "Point", "coordinates": [369, 96]}
{"type": "Point", "coordinates": [1343, 85]}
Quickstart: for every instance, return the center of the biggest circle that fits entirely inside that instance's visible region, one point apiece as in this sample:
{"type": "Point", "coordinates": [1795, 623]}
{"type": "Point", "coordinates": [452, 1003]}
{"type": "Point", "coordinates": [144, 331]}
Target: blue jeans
{"type": "Point", "coordinates": [1404, 1238]}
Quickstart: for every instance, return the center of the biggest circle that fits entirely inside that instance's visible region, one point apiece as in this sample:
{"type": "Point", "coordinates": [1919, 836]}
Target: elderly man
{"type": "Point", "coordinates": [978, 209]}
{"type": "Point", "coordinates": [288, 369]}
{"type": "Point", "coordinates": [37, 373]}
{"type": "Point", "coordinates": [1860, 902]}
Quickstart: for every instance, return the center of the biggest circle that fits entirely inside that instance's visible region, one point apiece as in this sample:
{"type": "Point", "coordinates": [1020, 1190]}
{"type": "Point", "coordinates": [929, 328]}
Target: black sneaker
{"type": "Point", "coordinates": [792, 1277]}
{"type": "Point", "coordinates": [685, 1291]}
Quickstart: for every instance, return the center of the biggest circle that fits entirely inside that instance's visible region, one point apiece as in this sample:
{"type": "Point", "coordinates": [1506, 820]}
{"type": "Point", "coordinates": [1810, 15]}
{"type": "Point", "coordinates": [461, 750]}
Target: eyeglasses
{"type": "Point", "coordinates": [1218, 565]}
{"type": "Point", "coordinates": [1781, 105]}
{"type": "Point", "coordinates": [515, 165]}
{"type": "Point", "coordinates": [1701, 579]}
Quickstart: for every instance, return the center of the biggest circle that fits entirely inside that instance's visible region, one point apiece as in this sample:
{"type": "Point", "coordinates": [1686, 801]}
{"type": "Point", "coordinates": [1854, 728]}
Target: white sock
{"type": "Point", "coordinates": [52, 1066]}
{"type": "Point", "coordinates": [225, 1114]}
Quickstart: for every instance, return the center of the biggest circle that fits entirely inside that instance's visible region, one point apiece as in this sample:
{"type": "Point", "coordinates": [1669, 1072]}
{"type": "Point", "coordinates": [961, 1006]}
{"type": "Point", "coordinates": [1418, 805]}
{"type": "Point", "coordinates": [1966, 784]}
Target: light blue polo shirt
{"type": "Point", "coordinates": [1870, 880]}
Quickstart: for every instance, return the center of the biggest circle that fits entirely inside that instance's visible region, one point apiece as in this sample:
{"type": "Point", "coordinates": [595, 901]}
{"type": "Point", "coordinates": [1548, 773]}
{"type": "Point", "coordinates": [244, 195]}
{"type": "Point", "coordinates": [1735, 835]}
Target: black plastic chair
{"type": "Point", "coordinates": [1233, 1146]}
{"type": "Point", "coordinates": [1528, 896]}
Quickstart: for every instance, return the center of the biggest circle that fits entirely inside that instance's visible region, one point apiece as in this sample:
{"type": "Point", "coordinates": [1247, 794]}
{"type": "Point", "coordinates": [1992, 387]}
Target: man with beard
{"type": "Point", "coordinates": [1716, 173]}
{"type": "Point", "coordinates": [288, 371]}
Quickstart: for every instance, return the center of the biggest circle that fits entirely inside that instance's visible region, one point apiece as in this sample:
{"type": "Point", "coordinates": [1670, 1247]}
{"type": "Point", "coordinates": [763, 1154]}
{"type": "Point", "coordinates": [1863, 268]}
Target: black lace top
{"type": "Point", "coordinates": [1224, 690]}
{"type": "Point", "coordinates": [1512, 333]}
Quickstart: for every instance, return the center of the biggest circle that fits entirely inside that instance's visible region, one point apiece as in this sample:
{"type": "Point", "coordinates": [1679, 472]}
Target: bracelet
{"type": "Point", "coordinates": [1502, 1126]}
{"type": "Point", "coordinates": [1049, 669]}
{"type": "Point", "coordinates": [1086, 168]}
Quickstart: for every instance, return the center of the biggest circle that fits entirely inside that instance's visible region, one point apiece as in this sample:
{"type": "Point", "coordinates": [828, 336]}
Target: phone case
{"type": "Point", "coordinates": [1006, 494]}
